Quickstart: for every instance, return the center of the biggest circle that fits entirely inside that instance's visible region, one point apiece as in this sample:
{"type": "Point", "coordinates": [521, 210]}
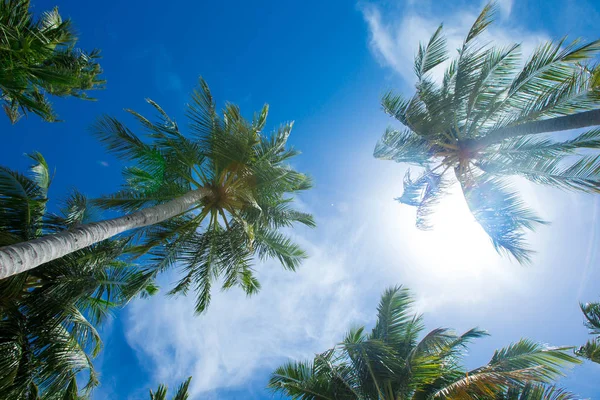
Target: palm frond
{"type": "Point", "coordinates": [403, 146]}
{"type": "Point", "coordinates": [501, 213]}
{"type": "Point", "coordinates": [583, 174]}
{"type": "Point", "coordinates": [536, 392]}
{"type": "Point", "coordinates": [424, 193]}
{"type": "Point", "coordinates": [433, 54]}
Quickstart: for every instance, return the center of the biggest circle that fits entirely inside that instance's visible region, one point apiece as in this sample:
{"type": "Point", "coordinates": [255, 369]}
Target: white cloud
{"type": "Point", "coordinates": [293, 313]}
{"type": "Point", "coordinates": [505, 7]}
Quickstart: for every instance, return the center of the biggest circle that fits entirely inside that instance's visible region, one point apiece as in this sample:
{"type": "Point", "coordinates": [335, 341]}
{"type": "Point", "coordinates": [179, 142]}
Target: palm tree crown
{"type": "Point", "coordinates": [247, 185]}
{"type": "Point", "coordinates": [481, 123]}
{"type": "Point", "coordinates": [48, 316]}
{"type": "Point", "coordinates": [38, 58]}
{"type": "Point", "coordinates": [391, 363]}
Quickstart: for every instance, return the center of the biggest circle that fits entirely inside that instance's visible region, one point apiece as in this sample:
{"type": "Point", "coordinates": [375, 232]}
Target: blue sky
{"type": "Point", "coordinates": [323, 64]}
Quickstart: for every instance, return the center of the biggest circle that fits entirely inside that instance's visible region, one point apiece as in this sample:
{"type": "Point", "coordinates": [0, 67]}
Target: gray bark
{"type": "Point", "coordinates": [24, 256]}
{"type": "Point", "coordinates": [580, 120]}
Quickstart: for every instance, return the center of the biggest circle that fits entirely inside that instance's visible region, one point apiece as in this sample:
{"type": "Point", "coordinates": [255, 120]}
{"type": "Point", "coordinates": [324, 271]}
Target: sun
{"type": "Point", "coordinates": [453, 262]}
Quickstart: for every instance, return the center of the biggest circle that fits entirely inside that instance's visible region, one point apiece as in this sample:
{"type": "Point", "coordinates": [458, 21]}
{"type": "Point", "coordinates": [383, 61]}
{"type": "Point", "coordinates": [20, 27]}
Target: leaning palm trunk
{"type": "Point", "coordinates": [24, 256]}
{"type": "Point", "coordinates": [574, 121]}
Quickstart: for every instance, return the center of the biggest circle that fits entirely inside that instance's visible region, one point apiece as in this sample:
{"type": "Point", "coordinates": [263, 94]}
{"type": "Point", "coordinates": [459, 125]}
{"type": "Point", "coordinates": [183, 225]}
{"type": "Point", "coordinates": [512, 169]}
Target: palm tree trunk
{"type": "Point", "coordinates": [580, 120]}
{"type": "Point", "coordinates": [24, 256]}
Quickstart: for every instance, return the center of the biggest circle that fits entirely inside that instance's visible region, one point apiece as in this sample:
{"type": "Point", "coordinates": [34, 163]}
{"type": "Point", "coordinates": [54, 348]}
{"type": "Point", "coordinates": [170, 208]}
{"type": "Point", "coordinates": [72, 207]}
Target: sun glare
{"type": "Point", "coordinates": [456, 238]}
{"type": "Point", "coordinates": [452, 262]}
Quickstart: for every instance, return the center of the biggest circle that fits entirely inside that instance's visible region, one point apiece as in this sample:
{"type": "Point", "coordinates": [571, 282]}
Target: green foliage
{"type": "Point", "coordinates": [536, 392]}
{"type": "Point", "coordinates": [181, 394]}
{"type": "Point", "coordinates": [48, 315]}
{"type": "Point", "coordinates": [591, 350]}
{"type": "Point", "coordinates": [392, 363]}
{"type": "Point", "coordinates": [462, 125]}
{"type": "Point", "coordinates": [38, 58]}
{"type": "Point", "coordinates": [250, 201]}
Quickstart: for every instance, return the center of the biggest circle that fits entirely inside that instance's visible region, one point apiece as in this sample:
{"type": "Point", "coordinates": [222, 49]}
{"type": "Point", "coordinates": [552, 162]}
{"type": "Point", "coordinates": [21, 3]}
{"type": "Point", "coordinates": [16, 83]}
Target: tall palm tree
{"type": "Point", "coordinates": [38, 58]}
{"type": "Point", "coordinates": [181, 394]}
{"type": "Point", "coordinates": [483, 122]}
{"type": "Point", "coordinates": [591, 350]}
{"type": "Point", "coordinates": [392, 363]}
{"type": "Point", "coordinates": [48, 316]}
{"type": "Point", "coordinates": [211, 201]}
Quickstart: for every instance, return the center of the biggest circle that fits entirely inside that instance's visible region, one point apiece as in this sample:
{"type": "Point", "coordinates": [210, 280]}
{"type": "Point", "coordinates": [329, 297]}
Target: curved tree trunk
{"type": "Point", "coordinates": [24, 256]}
{"type": "Point", "coordinates": [580, 120]}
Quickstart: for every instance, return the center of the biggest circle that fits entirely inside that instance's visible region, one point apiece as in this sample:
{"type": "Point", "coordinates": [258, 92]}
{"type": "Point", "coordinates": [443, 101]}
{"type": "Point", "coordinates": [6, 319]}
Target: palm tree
{"type": "Point", "coordinates": [591, 350]}
{"type": "Point", "coordinates": [181, 394]}
{"type": "Point", "coordinates": [38, 58]}
{"type": "Point", "coordinates": [48, 316]}
{"type": "Point", "coordinates": [211, 202]}
{"type": "Point", "coordinates": [482, 122]}
{"type": "Point", "coordinates": [391, 363]}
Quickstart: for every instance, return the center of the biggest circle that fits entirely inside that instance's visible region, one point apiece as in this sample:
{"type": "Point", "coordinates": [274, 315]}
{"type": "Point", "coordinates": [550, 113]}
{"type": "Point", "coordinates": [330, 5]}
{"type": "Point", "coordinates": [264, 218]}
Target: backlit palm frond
{"type": "Point", "coordinates": [473, 57]}
{"type": "Point", "coordinates": [501, 213]}
{"type": "Point", "coordinates": [493, 77]}
{"type": "Point", "coordinates": [403, 146]}
{"type": "Point", "coordinates": [431, 55]}
{"type": "Point", "coordinates": [412, 113]}
{"type": "Point", "coordinates": [536, 392]}
{"type": "Point", "coordinates": [424, 193]}
{"type": "Point", "coordinates": [526, 148]}
{"type": "Point", "coordinates": [569, 95]}
{"type": "Point", "coordinates": [582, 174]}
{"type": "Point", "coordinates": [549, 83]}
